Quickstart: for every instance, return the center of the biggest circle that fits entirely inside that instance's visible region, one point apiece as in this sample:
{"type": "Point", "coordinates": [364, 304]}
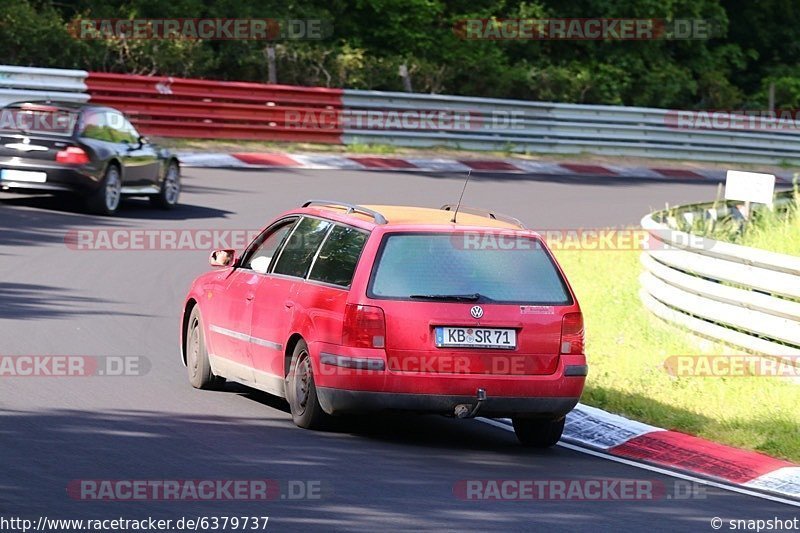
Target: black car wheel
{"type": "Point", "coordinates": [105, 200]}
{"type": "Point", "coordinates": [167, 196]}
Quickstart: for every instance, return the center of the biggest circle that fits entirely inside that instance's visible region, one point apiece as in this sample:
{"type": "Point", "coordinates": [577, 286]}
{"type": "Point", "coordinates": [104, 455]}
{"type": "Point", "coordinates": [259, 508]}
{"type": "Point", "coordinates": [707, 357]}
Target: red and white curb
{"type": "Point", "coordinates": [415, 164]}
{"type": "Point", "coordinates": [619, 437]}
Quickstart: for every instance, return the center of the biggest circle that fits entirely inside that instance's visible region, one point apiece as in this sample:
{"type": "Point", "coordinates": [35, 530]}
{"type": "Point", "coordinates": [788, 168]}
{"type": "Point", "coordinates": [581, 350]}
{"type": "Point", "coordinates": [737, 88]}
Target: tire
{"type": "Point", "coordinates": [301, 392]}
{"type": "Point", "coordinates": [537, 433]}
{"type": "Point", "coordinates": [167, 196]}
{"type": "Point", "coordinates": [197, 364]}
{"type": "Point", "coordinates": [106, 199]}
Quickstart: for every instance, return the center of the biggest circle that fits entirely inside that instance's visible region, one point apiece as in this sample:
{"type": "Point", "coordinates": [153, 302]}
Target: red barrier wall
{"type": "Point", "coordinates": [207, 109]}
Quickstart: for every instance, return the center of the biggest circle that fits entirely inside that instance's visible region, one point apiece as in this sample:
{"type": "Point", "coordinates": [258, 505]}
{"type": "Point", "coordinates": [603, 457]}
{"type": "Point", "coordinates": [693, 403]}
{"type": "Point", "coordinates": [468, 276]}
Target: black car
{"type": "Point", "coordinates": [90, 150]}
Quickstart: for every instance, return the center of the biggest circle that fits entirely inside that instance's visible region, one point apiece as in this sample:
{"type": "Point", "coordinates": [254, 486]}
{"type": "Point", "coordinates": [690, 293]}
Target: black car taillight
{"type": "Point", "coordinates": [72, 155]}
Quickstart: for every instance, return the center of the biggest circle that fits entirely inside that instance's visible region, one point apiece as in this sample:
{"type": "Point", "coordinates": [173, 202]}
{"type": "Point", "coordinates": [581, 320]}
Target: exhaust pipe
{"type": "Point", "coordinates": [465, 410]}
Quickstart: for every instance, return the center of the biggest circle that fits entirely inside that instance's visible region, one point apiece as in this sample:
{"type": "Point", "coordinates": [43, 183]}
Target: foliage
{"type": "Point", "coordinates": [754, 44]}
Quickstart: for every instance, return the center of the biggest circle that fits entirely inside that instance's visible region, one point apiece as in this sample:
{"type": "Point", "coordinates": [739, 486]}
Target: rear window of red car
{"type": "Point", "coordinates": [502, 268]}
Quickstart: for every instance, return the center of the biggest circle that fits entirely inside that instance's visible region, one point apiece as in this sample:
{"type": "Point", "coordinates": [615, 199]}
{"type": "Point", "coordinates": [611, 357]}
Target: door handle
{"type": "Point", "coordinates": [249, 296]}
{"type": "Point", "coordinates": [288, 303]}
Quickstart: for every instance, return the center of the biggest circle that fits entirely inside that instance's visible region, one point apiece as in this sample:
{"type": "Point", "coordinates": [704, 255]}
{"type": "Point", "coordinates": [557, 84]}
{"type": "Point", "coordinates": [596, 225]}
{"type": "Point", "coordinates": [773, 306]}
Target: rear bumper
{"type": "Point", "coordinates": [353, 380]}
{"type": "Point", "coordinates": [78, 179]}
{"type": "Point", "coordinates": [341, 401]}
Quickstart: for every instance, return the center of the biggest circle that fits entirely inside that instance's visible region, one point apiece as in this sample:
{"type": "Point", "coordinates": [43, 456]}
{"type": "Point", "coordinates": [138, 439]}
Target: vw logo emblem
{"type": "Point", "coordinates": [476, 311]}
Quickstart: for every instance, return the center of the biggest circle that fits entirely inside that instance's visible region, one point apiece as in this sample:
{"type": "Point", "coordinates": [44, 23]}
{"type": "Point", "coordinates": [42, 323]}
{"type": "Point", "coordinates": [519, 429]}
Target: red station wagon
{"type": "Point", "coordinates": [346, 309]}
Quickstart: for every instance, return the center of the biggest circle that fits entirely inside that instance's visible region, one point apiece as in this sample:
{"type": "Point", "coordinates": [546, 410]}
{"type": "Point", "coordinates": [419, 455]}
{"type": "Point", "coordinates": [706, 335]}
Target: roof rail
{"type": "Point", "coordinates": [351, 208]}
{"type": "Point", "coordinates": [484, 213]}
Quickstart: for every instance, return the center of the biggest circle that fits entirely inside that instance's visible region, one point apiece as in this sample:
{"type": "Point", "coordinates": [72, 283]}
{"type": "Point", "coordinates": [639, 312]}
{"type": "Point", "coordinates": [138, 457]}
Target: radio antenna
{"type": "Point", "coordinates": [458, 205]}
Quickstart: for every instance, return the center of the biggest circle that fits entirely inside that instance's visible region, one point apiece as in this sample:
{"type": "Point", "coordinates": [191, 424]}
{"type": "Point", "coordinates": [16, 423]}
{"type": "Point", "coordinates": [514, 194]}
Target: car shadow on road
{"type": "Point", "coordinates": [24, 301]}
{"type": "Point", "coordinates": [398, 427]}
{"type": "Point", "coordinates": [130, 208]}
{"type": "Point", "coordinates": [45, 452]}
{"type": "Point", "coordinates": [401, 471]}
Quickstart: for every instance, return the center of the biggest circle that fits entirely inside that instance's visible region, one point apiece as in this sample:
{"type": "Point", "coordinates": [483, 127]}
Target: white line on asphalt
{"type": "Point", "coordinates": [670, 473]}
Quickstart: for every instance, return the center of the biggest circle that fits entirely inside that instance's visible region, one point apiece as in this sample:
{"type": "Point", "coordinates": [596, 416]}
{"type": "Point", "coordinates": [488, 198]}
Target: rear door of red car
{"type": "Point", "coordinates": [275, 299]}
{"type": "Point", "coordinates": [324, 295]}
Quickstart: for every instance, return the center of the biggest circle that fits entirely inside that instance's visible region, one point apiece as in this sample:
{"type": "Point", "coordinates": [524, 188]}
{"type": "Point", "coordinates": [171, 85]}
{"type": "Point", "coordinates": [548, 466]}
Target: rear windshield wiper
{"type": "Point", "coordinates": [449, 297]}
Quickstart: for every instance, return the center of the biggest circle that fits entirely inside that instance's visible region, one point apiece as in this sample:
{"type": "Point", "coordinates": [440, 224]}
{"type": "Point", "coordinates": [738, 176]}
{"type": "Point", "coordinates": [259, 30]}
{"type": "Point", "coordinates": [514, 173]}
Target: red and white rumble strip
{"type": "Point", "coordinates": [617, 436]}
{"type": "Point", "coordinates": [434, 164]}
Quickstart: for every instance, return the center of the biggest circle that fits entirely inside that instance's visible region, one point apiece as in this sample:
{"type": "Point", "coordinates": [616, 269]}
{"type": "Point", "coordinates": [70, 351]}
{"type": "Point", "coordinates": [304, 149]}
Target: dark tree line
{"type": "Point", "coordinates": [756, 43]}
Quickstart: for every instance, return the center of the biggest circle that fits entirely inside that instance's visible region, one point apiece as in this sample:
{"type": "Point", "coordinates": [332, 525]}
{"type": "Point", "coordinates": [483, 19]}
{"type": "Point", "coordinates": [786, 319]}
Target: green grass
{"type": "Point", "coordinates": [377, 149]}
{"type": "Point", "coordinates": [627, 347]}
{"type": "Point", "coordinates": [776, 230]}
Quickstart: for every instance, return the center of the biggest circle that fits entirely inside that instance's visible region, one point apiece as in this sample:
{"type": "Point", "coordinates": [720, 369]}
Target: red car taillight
{"type": "Point", "coordinates": [572, 333]}
{"type": "Point", "coordinates": [364, 326]}
{"type": "Point", "coordinates": [72, 155]}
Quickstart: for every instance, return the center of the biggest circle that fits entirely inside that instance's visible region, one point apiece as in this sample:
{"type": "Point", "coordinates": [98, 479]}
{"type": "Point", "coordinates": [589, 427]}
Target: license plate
{"type": "Point", "coordinates": [23, 175]}
{"type": "Point", "coordinates": [450, 337]}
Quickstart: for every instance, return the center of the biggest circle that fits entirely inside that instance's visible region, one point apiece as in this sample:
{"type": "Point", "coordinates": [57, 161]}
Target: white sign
{"type": "Point", "coordinates": [749, 187]}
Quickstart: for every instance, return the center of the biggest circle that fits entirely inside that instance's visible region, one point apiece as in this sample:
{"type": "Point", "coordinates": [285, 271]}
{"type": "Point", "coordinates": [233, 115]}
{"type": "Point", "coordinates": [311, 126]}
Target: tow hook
{"type": "Point", "coordinates": [464, 410]}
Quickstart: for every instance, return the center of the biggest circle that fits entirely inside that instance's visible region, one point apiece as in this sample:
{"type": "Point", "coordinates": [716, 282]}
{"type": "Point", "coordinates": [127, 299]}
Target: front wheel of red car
{"type": "Point", "coordinates": [301, 393]}
{"type": "Point", "coordinates": [538, 433]}
{"type": "Point", "coordinates": [197, 363]}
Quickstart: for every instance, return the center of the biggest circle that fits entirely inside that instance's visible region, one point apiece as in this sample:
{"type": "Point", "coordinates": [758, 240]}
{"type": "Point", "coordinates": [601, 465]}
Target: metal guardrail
{"type": "Point", "coordinates": [740, 295]}
{"type": "Point", "coordinates": [28, 83]}
{"type": "Point", "coordinates": [207, 109]}
{"type": "Point", "coordinates": [520, 126]}
{"type": "Point", "coordinates": [180, 107]}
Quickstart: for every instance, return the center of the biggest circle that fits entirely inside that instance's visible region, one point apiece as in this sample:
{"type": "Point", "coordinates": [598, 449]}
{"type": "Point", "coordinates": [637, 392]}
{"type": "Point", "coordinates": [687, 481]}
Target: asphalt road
{"type": "Point", "coordinates": [390, 473]}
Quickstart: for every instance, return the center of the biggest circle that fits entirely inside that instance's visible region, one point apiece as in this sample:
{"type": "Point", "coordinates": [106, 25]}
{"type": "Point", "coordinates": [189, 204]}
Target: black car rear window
{"type": "Point", "coordinates": [518, 270]}
{"type": "Point", "coordinates": [38, 118]}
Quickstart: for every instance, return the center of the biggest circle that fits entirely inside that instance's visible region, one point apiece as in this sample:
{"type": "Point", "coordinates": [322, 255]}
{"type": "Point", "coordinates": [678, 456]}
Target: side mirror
{"type": "Point", "coordinates": [222, 258]}
{"type": "Point", "coordinates": [136, 145]}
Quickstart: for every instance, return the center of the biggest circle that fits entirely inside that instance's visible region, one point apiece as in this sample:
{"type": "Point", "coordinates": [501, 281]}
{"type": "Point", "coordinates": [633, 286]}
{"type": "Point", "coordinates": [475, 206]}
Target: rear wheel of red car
{"type": "Point", "coordinates": [197, 364]}
{"type": "Point", "coordinates": [538, 433]}
{"type": "Point", "coordinates": [301, 393]}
